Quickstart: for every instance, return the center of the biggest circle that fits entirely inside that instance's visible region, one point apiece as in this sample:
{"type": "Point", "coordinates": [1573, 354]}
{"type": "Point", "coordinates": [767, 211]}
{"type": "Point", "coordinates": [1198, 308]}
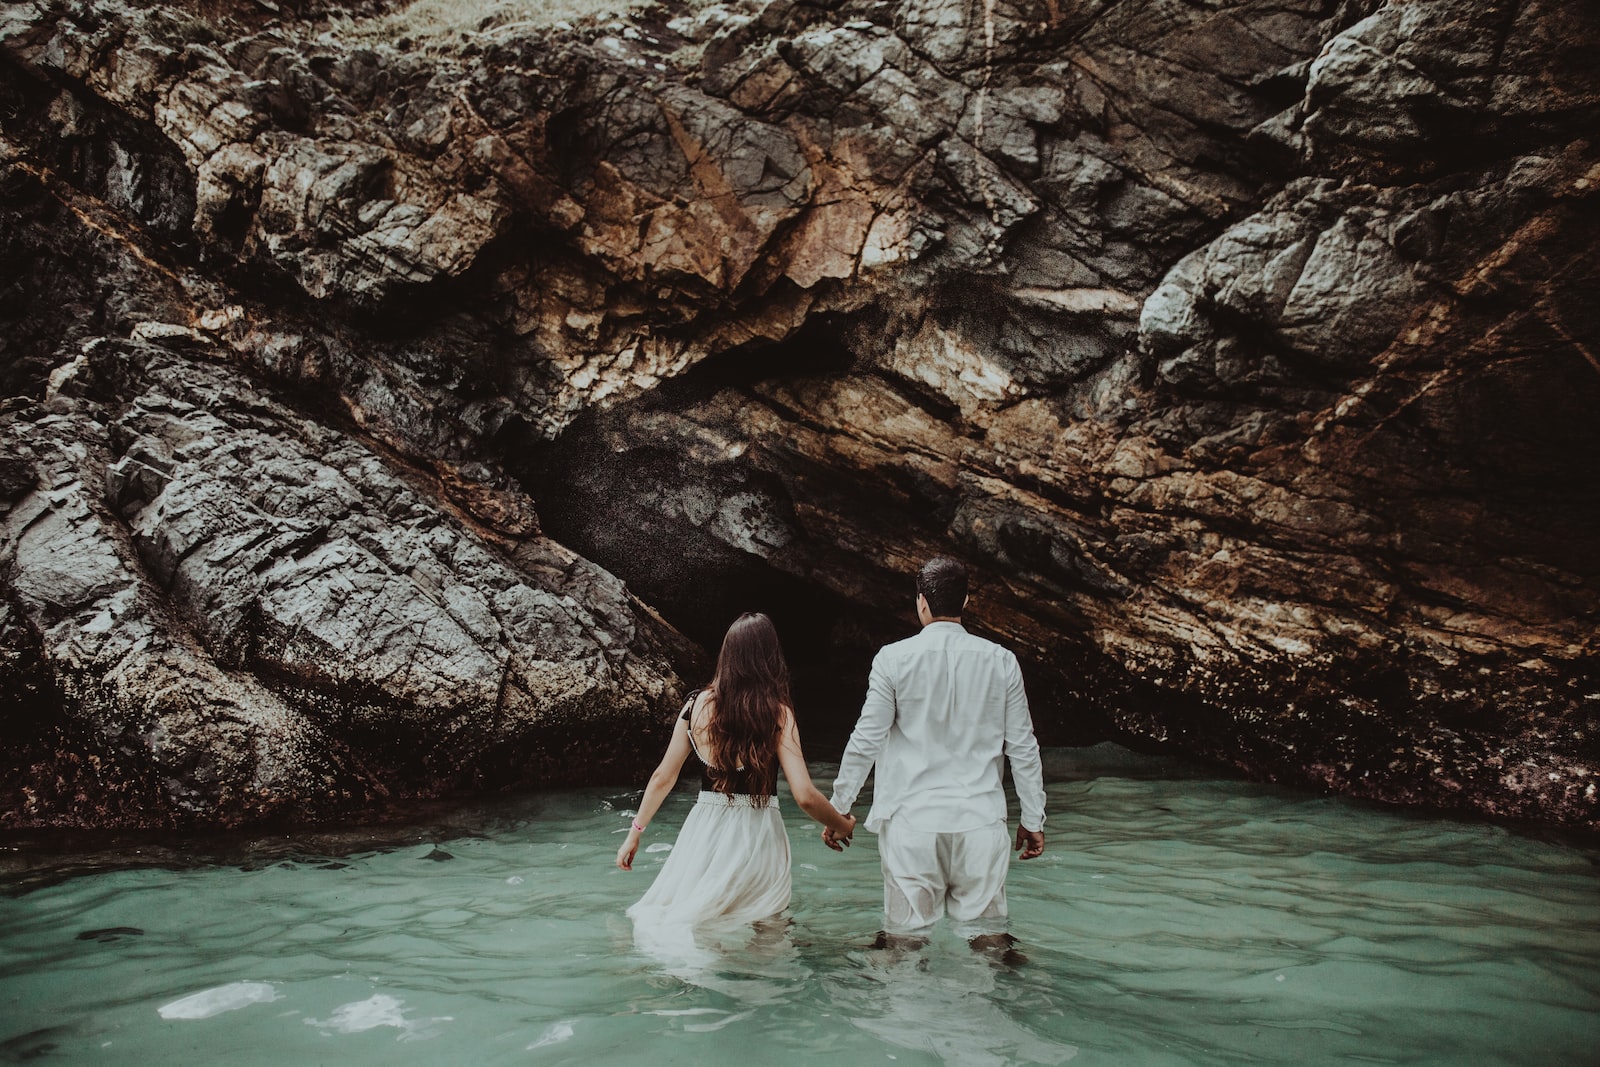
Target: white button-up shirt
{"type": "Point", "coordinates": [943, 709]}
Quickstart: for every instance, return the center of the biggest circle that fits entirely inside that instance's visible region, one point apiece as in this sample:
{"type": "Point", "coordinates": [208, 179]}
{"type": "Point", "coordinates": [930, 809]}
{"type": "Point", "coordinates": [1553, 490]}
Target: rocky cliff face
{"type": "Point", "coordinates": [1245, 350]}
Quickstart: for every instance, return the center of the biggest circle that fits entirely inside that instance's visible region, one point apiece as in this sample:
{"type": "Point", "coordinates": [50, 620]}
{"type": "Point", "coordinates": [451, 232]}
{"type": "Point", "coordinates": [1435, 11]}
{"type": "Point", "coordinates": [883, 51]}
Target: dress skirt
{"type": "Point", "coordinates": [730, 865]}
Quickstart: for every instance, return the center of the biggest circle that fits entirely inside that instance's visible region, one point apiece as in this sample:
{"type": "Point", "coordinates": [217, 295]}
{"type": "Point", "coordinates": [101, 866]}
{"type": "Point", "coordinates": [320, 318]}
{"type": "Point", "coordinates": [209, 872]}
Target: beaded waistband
{"type": "Point", "coordinates": [737, 800]}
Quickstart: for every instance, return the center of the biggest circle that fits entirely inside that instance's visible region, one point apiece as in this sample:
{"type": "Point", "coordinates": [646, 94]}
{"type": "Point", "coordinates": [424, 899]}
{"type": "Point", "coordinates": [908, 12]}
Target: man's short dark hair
{"type": "Point", "coordinates": [943, 582]}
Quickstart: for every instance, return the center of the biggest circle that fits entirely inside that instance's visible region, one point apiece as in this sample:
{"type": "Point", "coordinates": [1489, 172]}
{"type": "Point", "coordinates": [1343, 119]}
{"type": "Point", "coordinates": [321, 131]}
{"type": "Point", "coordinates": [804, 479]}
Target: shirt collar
{"type": "Point", "coordinates": [935, 627]}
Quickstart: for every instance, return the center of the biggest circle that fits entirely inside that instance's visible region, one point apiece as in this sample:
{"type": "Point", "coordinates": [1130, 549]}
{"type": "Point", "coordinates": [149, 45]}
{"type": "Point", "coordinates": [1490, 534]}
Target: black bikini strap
{"type": "Point", "coordinates": [688, 705]}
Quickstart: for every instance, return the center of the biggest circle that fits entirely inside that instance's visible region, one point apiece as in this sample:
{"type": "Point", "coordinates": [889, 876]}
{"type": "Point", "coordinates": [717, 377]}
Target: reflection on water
{"type": "Point", "coordinates": [1176, 919]}
{"type": "Point", "coordinates": [947, 1001]}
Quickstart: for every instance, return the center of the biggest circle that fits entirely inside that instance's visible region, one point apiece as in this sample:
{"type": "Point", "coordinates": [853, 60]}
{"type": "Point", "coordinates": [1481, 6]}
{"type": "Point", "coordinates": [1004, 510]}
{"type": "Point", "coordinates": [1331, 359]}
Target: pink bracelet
{"type": "Point", "coordinates": [637, 827]}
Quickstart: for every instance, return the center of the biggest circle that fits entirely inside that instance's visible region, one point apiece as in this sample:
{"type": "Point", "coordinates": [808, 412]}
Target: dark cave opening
{"type": "Point", "coordinates": [700, 586]}
{"type": "Point", "coordinates": [828, 643]}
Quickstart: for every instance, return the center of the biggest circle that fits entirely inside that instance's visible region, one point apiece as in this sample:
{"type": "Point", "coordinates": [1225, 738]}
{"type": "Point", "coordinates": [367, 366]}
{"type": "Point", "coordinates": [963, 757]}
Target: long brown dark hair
{"type": "Point", "coordinates": [751, 689]}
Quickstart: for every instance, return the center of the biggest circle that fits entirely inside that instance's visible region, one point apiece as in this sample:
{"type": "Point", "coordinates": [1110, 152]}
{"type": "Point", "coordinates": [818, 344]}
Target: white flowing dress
{"type": "Point", "coordinates": [730, 864]}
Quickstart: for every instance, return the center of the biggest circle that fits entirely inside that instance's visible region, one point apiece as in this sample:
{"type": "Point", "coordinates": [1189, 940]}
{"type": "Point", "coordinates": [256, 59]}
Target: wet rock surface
{"type": "Point", "coordinates": [1245, 351]}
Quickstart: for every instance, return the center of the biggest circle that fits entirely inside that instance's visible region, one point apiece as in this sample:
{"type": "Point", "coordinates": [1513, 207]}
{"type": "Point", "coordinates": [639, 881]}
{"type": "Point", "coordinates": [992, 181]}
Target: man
{"type": "Point", "coordinates": [943, 709]}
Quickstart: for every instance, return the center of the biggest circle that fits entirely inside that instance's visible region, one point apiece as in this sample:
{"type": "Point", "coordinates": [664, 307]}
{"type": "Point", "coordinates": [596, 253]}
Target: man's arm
{"type": "Point", "coordinates": [1027, 769]}
{"type": "Point", "coordinates": [867, 739]}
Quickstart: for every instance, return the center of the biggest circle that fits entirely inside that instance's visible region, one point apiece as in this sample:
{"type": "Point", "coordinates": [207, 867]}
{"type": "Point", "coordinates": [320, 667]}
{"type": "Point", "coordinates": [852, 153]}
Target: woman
{"type": "Point", "coordinates": [731, 862]}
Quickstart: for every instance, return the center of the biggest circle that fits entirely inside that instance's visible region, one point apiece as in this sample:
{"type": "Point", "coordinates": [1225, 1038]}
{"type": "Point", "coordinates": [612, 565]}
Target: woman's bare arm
{"type": "Point", "coordinates": [662, 779]}
{"type": "Point", "coordinates": [793, 760]}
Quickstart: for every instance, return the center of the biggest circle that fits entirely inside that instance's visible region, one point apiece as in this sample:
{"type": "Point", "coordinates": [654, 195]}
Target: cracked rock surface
{"type": "Point", "coordinates": [1245, 350]}
{"type": "Point", "coordinates": [229, 612]}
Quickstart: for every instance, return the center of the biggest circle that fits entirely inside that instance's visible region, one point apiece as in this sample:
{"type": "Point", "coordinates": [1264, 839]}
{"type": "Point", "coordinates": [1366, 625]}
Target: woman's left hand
{"type": "Point", "coordinates": [629, 849]}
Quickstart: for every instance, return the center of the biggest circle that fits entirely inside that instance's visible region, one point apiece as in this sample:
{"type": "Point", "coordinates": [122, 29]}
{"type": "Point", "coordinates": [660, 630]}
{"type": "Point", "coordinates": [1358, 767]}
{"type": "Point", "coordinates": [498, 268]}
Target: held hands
{"type": "Point", "coordinates": [630, 848]}
{"type": "Point", "coordinates": [1030, 843]}
{"type": "Point", "coordinates": [837, 841]}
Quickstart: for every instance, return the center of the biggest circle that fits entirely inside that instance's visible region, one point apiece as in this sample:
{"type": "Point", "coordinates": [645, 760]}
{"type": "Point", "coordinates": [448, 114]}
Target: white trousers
{"type": "Point", "coordinates": [926, 875]}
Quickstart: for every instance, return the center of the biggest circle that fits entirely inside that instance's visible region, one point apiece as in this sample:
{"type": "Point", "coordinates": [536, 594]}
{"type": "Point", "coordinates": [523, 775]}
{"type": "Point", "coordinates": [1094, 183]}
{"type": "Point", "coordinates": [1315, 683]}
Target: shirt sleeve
{"type": "Point", "coordinates": [1022, 750]}
{"type": "Point", "coordinates": [867, 739]}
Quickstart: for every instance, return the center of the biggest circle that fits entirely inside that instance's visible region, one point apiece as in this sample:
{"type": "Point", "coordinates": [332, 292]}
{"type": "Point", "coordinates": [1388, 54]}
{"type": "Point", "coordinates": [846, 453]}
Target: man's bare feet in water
{"type": "Point", "coordinates": [1001, 948]}
{"type": "Point", "coordinates": [895, 947]}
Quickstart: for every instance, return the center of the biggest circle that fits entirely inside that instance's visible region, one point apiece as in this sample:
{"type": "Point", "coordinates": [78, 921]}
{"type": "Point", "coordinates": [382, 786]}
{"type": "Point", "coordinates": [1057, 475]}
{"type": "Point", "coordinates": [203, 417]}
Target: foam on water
{"type": "Point", "coordinates": [378, 1010]}
{"type": "Point", "coordinates": [557, 1033]}
{"type": "Point", "coordinates": [209, 1002]}
{"type": "Point", "coordinates": [1175, 919]}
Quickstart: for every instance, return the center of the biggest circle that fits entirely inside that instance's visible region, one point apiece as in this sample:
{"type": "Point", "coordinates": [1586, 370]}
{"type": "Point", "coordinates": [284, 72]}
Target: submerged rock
{"type": "Point", "coordinates": [1243, 349]}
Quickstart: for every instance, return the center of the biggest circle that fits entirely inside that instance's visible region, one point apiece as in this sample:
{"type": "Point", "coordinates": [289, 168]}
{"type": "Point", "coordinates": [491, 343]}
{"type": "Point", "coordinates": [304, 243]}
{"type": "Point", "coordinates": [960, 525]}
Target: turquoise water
{"type": "Point", "coordinates": [1176, 919]}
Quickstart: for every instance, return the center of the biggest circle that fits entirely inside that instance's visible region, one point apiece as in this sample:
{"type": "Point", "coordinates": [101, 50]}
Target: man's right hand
{"type": "Point", "coordinates": [1030, 843]}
